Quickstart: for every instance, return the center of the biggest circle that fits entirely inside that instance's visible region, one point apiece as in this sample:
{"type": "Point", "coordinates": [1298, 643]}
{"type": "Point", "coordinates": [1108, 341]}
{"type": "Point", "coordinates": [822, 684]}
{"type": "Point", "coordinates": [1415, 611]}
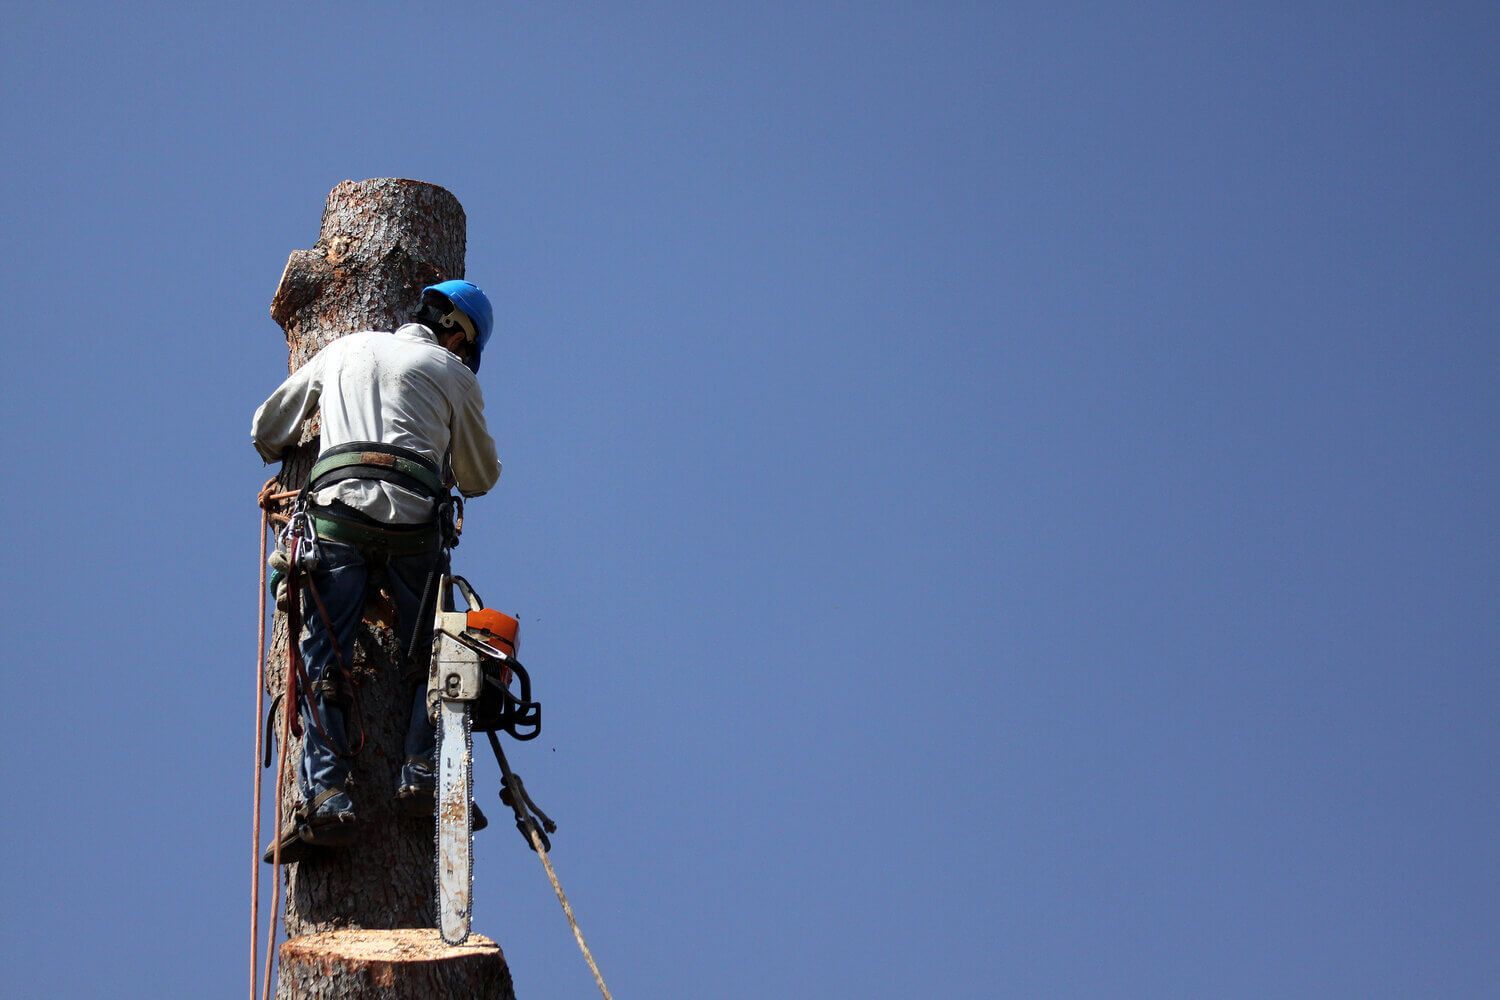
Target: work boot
{"type": "Point", "coordinates": [305, 832]}
{"type": "Point", "coordinates": [330, 819]}
{"type": "Point", "coordinates": [417, 790]}
{"type": "Point", "coordinates": [293, 847]}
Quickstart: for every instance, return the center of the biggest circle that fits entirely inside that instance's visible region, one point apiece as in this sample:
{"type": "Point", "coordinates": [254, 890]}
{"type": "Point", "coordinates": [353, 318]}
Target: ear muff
{"type": "Point", "coordinates": [458, 319]}
{"type": "Point", "coordinates": [442, 312]}
{"type": "Point", "coordinates": [462, 303]}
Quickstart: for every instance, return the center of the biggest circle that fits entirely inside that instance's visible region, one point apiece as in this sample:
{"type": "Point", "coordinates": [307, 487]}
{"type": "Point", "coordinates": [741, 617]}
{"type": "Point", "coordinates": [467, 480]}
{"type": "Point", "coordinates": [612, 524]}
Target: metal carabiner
{"type": "Point", "coordinates": [300, 526]}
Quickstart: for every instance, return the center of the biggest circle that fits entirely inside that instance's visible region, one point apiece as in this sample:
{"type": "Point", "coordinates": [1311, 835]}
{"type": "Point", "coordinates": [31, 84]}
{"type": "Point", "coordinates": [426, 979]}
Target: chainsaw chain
{"type": "Point", "coordinates": [437, 822]}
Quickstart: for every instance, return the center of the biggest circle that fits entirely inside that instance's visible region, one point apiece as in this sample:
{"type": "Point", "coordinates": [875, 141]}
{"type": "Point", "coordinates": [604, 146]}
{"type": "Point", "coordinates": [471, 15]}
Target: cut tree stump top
{"type": "Point", "coordinates": [392, 963]}
{"type": "Point", "coordinates": [411, 944]}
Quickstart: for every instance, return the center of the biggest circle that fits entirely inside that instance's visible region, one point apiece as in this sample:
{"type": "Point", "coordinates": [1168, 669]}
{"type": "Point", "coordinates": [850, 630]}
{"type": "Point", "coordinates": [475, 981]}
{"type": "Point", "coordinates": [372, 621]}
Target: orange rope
{"type": "Point", "coordinates": [271, 502]}
{"type": "Point", "coordinates": [260, 707]}
{"type": "Point", "coordinates": [286, 734]}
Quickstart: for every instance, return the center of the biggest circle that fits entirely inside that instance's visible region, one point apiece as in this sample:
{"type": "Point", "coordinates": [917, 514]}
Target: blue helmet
{"type": "Point", "coordinates": [471, 302]}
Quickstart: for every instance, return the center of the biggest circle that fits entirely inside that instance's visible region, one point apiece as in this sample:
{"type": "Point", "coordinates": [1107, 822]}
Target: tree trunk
{"type": "Point", "coordinates": [382, 240]}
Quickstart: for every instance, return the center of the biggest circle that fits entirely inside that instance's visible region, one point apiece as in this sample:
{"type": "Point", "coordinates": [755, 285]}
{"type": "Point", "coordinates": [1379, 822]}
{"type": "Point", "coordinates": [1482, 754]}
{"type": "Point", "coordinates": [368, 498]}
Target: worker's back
{"type": "Point", "coordinates": [395, 388]}
{"type": "Point", "coordinates": [400, 389]}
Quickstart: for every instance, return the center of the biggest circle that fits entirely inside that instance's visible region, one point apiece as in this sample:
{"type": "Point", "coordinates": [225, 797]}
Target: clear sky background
{"type": "Point", "coordinates": [1002, 497]}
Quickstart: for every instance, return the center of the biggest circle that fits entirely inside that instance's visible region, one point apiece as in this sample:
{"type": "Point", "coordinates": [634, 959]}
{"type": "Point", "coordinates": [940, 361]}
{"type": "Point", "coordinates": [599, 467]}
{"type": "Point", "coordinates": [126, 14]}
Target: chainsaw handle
{"type": "Point", "coordinates": [470, 597]}
{"type": "Point", "coordinates": [521, 717]}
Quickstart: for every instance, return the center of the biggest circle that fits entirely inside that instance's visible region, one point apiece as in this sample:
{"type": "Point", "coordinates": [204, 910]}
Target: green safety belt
{"type": "Point", "coordinates": [385, 463]}
{"type": "Point", "coordinates": [392, 541]}
{"type": "Point", "coordinates": [372, 460]}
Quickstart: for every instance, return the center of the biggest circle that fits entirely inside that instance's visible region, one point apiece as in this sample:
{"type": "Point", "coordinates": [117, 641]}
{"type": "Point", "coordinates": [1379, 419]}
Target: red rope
{"type": "Point", "coordinates": [276, 853]}
{"type": "Point", "coordinates": [260, 707]}
{"type": "Point", "coordinates": [269, 500]}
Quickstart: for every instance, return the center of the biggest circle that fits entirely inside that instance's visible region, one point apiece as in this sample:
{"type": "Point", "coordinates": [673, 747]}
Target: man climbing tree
{"type": "Point", "coordinates": [402, 421]}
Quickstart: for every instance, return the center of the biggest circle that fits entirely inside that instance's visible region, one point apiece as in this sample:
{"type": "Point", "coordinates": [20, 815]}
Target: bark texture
{"type": "Point", "coordinates": [381, 241]}
{"type": "Point", "coordinates": [391, 965]}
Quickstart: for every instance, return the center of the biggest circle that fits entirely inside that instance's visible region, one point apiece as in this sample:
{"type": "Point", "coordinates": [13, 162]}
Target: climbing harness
{"type": "Point", "coordinates": [385, 463]}
{"type": "Point", "coordinates": [471, 671]}
{"type": "Point", "coordinates": [299, 541]}
{"type": "Point", "coordinates": [300, 527]}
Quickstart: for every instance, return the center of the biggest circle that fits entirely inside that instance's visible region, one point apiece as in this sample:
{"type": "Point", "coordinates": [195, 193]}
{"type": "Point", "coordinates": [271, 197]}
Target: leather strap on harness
{"type": "Point", "coordinates": [385, 463]}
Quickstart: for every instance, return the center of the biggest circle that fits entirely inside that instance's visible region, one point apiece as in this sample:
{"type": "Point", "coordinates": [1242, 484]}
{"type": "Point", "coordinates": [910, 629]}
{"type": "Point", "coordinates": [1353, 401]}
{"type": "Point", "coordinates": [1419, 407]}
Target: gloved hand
{"type": "Point", "coordinates": [279, 563]}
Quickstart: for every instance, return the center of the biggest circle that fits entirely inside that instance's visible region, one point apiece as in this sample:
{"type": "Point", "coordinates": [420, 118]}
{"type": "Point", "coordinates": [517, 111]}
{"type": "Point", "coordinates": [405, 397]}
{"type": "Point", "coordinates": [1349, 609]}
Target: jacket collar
{"type": "Point", "coordinates": [417, 332]}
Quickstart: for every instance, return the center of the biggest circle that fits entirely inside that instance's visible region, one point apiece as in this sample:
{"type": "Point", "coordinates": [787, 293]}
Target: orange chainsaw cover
{"type": "Point", "coordinates": [500, 630]}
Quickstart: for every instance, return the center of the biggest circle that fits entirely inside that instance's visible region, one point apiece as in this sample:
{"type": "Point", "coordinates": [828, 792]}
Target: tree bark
{"type": "Point", "coordinates": [381, 241]}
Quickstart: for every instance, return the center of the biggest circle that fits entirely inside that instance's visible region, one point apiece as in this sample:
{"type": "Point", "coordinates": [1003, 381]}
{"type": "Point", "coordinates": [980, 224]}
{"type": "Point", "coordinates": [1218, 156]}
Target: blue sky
{"type": "Point", "coordinates": [1001, 498]}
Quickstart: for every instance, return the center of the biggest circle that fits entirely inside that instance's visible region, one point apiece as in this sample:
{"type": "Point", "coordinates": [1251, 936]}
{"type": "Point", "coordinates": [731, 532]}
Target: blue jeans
{"type": "Point", "coordinates": [341, 577]}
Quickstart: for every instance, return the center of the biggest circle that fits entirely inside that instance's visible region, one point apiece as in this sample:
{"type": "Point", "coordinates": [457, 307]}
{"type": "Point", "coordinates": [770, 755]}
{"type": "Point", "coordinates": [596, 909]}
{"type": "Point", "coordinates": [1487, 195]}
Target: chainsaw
{"type": "Point", "coordinates": [469, 681]}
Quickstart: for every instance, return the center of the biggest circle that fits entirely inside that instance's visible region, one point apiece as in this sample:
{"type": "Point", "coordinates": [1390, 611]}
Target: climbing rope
{"type": "Point", "coordinates": [286, 736]}
{"type": "Point", "coordinates": [520, 803]}
{"type": "Point", "coordinates": [588, 956]}
{"type": "Point", "coordinates": [260, 708]}
{"type": "Point", "coordinates": [270, 501]}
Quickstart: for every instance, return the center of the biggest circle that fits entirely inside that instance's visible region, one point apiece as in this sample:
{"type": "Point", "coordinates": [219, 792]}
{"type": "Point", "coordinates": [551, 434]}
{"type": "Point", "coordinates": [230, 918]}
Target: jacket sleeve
{"type": "Point", "coordinates": [476, 468]}
{"type": "Point", "coordinates": [279, 419]}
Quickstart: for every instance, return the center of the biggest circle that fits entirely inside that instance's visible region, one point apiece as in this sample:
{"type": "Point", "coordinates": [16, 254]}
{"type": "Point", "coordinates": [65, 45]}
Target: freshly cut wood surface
{"type": "Point", "coordinates": [405, 944]}
{"type": "Point", "coordinates": [365, 964]}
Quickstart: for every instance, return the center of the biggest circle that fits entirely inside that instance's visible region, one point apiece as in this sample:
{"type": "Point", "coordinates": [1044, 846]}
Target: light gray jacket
{"type": "Point", "coordinates": [397, 388]}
